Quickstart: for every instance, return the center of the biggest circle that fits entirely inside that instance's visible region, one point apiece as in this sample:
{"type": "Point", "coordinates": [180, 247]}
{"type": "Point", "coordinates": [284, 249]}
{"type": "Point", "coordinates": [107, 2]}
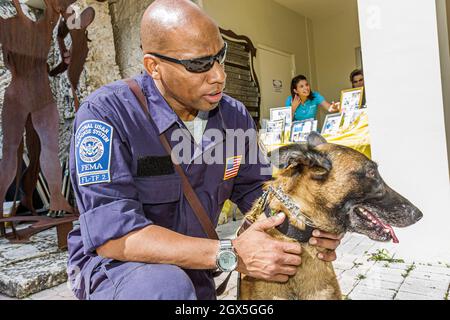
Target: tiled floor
{"type": "Point", "coordinates": [359, 277]}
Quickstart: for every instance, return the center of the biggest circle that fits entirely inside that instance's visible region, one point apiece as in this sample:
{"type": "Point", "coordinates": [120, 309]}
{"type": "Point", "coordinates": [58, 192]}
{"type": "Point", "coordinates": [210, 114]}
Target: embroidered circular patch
{"type": "Point", "coordinates": [91, 149]}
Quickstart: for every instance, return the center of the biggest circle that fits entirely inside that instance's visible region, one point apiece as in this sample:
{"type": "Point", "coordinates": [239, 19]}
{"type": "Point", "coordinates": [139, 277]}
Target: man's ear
{"type": "Point", "coordinates": [152, 66]}
{"type": "Point", "coordinates": [299, 156]}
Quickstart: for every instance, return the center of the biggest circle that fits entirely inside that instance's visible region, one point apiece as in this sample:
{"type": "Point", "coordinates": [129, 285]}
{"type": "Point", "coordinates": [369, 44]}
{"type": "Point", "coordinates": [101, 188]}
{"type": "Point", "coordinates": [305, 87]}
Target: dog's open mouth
{"type": "Point", "coordinates": [365, 221]}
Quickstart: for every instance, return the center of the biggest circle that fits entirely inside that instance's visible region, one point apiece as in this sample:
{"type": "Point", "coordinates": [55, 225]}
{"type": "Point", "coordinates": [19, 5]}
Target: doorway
{"type": "Point", "coordinates": [276, 72]}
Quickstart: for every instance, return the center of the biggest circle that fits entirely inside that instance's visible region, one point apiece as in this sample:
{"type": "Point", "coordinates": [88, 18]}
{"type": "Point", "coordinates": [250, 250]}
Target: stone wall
{"type": "Point", "coordinates": [100, 68]}
{"type": "Point", "coordinates": [126, 16]}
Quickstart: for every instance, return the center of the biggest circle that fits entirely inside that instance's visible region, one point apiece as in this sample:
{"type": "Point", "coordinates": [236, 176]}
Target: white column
{"type": "Point", "coordinates": [401, 57]}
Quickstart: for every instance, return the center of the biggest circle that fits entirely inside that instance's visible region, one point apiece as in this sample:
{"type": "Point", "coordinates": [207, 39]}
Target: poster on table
{"type": "Point", "coordinates": [351, 101]}
{"type": "Point", "coordinates": [274, 132]}
{"type": "Point", "coordinates": [300, 130]}
{"type": "Point", "coordinates": [332, 123]}
{"type": "Point", "coordinates": [280, 114]}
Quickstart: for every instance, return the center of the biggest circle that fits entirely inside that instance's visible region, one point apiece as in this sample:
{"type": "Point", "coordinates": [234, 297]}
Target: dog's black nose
{"type": "Point", "coordinates": [417, 215]}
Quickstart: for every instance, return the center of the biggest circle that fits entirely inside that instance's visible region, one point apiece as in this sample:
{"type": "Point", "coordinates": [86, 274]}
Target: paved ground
{"type": "Point", "coordinates": [366, 271]}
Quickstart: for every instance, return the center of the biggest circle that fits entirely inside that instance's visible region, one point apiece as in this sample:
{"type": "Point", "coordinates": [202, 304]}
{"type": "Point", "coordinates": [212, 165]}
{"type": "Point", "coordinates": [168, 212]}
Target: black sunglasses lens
{"type": "Point", "coordinates": [199, 65]}
{"type": "Point", "coordinates": [205, 64]}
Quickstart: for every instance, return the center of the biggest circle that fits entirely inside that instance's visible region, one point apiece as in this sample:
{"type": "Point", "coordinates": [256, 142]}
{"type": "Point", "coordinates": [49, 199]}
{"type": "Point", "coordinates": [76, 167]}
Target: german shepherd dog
{"type": "Point", "coordinates": [328, 187]}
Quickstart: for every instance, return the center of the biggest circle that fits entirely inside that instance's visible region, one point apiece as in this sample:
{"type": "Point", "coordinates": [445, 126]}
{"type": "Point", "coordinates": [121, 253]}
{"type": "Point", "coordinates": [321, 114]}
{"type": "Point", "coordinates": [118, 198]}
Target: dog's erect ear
{"type": "Point", "coordinates": [300, 156]}
{"type": "Point", "coordinates": [315, 140]}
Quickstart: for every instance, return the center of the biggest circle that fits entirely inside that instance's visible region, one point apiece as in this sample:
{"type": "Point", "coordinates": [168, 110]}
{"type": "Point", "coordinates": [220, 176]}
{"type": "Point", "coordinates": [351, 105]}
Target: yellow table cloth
{"type": "Point", "coordinates": [356, 137]}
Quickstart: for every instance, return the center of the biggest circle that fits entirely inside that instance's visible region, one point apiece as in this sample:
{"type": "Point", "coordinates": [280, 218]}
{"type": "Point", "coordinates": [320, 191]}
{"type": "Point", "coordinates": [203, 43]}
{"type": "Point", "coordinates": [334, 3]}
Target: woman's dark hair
{"type": "Point", "coordinates": [294, 84]}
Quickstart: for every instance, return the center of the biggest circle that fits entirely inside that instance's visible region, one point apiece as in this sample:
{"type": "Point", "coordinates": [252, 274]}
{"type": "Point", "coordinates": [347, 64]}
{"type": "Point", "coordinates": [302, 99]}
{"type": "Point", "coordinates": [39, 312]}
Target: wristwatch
{"type": "Point", "coordinates": [226, 260]}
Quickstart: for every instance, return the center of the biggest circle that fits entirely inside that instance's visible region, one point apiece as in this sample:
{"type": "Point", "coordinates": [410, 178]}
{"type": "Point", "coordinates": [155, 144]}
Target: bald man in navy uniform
{"type": "Point", "coordinates": [138, 237]}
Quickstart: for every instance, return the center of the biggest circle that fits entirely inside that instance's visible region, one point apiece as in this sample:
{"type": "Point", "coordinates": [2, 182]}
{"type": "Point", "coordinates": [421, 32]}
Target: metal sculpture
{"type": "Point", "coordinates": [29, 102]}
{"type": "Point", "coordinates": [73, 59]}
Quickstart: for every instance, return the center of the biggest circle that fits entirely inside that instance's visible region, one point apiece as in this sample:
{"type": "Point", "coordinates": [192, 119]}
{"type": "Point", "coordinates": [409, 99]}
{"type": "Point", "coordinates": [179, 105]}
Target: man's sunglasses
{"type": "Point", "coordinates": [198, 65]}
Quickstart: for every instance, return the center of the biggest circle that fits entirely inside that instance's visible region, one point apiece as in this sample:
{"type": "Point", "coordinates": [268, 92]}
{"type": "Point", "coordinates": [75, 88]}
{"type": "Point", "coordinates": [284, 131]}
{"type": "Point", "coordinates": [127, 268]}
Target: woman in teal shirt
{"type": "Point", "coordinates": [305, 102]}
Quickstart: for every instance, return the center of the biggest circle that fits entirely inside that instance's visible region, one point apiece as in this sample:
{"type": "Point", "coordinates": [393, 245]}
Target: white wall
{"type": "Point", "coordinates": [407, 118]}
{"type": "Point", "coordinates": [443, 18]}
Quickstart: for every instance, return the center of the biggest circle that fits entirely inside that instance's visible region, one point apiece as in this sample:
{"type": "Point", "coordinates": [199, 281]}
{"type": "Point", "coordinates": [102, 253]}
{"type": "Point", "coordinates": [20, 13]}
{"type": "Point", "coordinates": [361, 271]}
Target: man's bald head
{"type": "Point", "coordinates": [169, 26]}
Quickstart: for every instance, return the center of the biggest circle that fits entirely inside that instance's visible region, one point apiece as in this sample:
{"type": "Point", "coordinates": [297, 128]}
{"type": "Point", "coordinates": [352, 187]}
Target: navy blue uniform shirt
{"type": "Point", "coordinates": [123, 182]}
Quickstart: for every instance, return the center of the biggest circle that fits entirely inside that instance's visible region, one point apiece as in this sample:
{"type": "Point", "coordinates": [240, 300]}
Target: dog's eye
{"type": "Point", "coordinates": [371, 174]}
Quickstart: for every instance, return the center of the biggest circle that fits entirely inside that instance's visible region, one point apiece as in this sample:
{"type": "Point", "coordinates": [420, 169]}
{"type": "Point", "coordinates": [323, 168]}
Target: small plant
{"type": "Point", "coordinates": [384, 255]}
{"type": "Point", "coordinates": [357, 264]}
{"type": "Point", "coordinates": [360, 277]}
{"type": "Point", "coordinates": [386, 265]}
{"type": "Point", "coordinates": [408, 270]}
{"type": "Point", "coordinates": [447, 265]}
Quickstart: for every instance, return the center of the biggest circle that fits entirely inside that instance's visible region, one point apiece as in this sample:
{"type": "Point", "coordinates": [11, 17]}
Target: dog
{"type": "Point", "coordinates": [328, 187]}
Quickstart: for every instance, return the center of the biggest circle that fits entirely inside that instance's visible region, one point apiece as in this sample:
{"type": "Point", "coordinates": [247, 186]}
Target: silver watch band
{"type": "Point", "coordinates": [226, 245]}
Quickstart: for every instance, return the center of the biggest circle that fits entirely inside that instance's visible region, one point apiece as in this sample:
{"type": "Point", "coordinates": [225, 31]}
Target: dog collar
{"type": "Point", "coordinates": [292, 207]}
{"type": "Point", "coordinates": [286, 227]}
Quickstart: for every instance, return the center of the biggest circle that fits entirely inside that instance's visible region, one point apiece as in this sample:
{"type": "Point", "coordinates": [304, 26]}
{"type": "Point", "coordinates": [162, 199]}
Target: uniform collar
{"type": "Point", "coordinates": [162, 114]}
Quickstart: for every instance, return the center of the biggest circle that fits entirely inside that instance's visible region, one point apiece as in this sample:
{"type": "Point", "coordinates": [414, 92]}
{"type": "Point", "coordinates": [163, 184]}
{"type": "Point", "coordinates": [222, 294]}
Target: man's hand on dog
{"type": "Point", "coordinates": [328, 241]}
{"type": "Point", "coordinates": [263, 257]}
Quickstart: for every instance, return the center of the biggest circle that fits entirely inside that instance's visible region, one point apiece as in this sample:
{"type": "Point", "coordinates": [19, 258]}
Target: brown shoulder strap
{"type": "Point", "coordinates": [188, 191]}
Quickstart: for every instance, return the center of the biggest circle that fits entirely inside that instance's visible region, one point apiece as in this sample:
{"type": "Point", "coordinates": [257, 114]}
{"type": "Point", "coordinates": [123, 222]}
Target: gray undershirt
{"type": "Point", "coordinates": [197, 126]}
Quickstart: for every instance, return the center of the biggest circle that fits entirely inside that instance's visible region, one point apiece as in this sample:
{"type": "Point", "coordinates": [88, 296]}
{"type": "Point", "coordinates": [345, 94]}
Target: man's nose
{"type": "Point", "coordinates": [217, 73]}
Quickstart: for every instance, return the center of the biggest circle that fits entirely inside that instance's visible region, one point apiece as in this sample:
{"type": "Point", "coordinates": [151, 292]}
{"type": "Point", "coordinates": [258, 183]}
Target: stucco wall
{"type": "Point", "coordinates": [336, 39]}
{"type": "Point", "coordinates": [265, 23]}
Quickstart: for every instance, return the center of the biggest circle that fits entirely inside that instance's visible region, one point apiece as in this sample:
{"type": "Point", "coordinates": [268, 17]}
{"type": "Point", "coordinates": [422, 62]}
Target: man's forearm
{"type": "Point", "coordinates": [155, 244]}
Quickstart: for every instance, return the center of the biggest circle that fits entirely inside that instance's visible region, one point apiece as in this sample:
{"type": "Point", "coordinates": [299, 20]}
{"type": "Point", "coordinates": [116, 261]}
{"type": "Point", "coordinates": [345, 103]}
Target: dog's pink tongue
{"type": "Point", "coordinates": [394, 237]}
{"type": "Point", "coordinates": [391, 231]}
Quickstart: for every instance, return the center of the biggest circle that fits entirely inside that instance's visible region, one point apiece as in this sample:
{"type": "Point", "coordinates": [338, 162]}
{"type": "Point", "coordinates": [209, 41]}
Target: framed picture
{"type": "Point", "coordinates": [332, 123]}
{"type": "Point", "coordinates": [282, 113]}
{"type": "Point", "coordinates": [350, 117]}
{"type": "Point", "coordinates": [351, 99]}
{"type": "Point", "coordinates": [300, 130]}
{"type": "Point", "coordinates": [271, 138]}
{"type": "Point", "coordinates": [275, 126]}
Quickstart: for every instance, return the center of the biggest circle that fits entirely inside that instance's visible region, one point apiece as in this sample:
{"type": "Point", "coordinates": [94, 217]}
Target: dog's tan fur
{"type": "Point", "coordinates": [315, 279]}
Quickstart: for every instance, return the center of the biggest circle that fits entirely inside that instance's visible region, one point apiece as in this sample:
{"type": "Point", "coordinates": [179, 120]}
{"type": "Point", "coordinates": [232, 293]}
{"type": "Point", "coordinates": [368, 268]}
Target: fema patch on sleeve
{"type": "Point", "coordinates": [93, 152]}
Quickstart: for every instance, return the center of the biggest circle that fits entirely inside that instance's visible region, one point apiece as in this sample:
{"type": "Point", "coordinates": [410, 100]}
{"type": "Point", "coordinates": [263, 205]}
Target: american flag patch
{"type": "Point", "coordinates": [232, 167]}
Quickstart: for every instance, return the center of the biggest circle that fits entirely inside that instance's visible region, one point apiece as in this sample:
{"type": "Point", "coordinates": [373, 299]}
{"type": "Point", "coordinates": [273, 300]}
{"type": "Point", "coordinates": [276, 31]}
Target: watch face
{"type": "Point", "coordinates": [227, 261]}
